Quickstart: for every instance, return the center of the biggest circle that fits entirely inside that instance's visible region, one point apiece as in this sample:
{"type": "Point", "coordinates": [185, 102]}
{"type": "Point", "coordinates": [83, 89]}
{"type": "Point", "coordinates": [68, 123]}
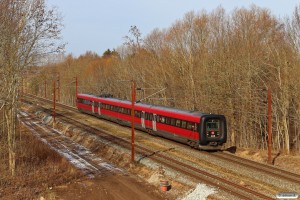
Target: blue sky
{"type": "Point", "coordinates": [96, 25]}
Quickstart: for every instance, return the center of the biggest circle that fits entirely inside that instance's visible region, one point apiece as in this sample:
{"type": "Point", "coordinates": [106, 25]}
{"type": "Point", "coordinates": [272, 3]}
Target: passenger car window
{"type": "Point", "coordinates": [178, 122]}
{"type": "Point", "coordinates": [183, 124]}
{"type": "Point", "coordinates": [173, 121]}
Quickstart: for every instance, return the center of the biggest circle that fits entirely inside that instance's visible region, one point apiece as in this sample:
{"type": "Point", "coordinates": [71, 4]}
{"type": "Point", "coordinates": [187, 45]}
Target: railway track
{"type": "Point", "coordinates": [269, 169]}
{"type": "Point", "coordinates": [194, 172]}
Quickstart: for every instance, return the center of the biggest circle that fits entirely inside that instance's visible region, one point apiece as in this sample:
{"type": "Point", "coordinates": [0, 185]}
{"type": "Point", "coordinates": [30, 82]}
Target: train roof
{"type": "Point", "coordinates": [149, 106]}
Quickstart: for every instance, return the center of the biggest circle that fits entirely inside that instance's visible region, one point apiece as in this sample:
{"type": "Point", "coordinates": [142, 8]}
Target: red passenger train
{"type": "Point", "coordinates": [197, 129]}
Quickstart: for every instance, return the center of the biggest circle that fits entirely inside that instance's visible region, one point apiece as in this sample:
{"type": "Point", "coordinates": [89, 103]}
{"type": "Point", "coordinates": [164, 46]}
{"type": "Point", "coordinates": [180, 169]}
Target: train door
{"type": "Point", "coordinates": [143, 119]}
{"type": "Point", "coordinates": [93, 107]}
{"type": "Point", "coordinates": [99, 107]}
{"type": "Point", "coordinates": [154, 122]}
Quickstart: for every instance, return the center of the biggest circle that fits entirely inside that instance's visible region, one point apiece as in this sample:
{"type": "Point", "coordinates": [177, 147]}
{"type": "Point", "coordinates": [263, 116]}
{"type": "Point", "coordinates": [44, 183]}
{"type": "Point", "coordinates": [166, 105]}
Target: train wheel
{"type": "Point", "coordinates": [150, 132]}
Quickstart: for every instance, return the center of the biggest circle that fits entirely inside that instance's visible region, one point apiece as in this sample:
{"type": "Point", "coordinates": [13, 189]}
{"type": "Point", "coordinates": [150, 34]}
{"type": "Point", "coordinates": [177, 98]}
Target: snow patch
{"type": "Point", "coordinates": [46, 119]}
{"type": "Point", "coordinates": [79, 156]}
{"type": "Point", "coordinates": [23, 113]}
{"type": "Point", "coordinates": [201, 192]}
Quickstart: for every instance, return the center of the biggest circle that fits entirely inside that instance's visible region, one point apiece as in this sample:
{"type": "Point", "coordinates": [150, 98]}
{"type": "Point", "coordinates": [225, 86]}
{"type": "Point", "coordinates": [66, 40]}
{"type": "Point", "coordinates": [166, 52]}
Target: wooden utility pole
{"type": "Point", "coordinates": [133, 92]}
{"type": "Point", "coordinates": [22, 87]}
{"type": "Point", "coordinates": [76, 89]}
{"type": "Point", "coordinates": [58, 88]}
{"type": "Point", "coordinates": [54, 104]}
{"type": "Point", "coordinates": [269, 127]}
{"type": "Point", "coordinates": [45, 89]}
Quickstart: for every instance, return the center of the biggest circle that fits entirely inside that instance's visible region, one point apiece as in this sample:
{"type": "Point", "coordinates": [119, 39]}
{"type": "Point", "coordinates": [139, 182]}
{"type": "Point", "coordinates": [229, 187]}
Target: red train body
{"type": "Point", "coordinates": [199, 130]}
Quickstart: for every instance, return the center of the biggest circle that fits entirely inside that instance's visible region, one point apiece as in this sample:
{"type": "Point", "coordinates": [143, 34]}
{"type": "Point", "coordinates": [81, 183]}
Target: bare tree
{"type": "Point", "coordinates": [28, 32]}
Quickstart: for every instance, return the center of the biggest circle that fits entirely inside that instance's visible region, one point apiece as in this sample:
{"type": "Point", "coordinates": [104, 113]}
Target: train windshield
{"type": "Point", "coordinates": [213, 125]}
{"type": "Point", "coordinates": [213, 128]}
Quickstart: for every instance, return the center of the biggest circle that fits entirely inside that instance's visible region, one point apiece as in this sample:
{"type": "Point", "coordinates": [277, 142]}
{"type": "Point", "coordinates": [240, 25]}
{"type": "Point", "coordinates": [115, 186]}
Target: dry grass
{"type": "Point", "coordinates": [38, 168]}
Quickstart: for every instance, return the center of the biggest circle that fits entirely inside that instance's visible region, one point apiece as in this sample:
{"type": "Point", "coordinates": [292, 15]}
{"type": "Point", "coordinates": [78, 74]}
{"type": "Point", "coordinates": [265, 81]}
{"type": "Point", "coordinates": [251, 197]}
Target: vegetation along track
{"type": "Point", "coordinates": [194, 172]}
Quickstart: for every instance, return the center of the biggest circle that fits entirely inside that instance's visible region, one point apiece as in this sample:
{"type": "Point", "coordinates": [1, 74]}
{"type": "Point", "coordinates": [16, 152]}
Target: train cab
{"type": "Point", "coordinates": [213, 132]}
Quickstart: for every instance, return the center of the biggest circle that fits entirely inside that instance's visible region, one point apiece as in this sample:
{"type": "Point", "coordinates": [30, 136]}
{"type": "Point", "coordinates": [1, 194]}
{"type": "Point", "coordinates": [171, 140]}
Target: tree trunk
{"type": "Point", "coordinates": [286, 135]}
{"type": "Point", "coordinates": [10, 116]}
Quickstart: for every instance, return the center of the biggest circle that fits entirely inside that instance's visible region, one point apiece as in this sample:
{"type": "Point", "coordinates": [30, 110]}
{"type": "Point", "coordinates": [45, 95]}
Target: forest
{"type": "Point", "coordinates": [214, 62]}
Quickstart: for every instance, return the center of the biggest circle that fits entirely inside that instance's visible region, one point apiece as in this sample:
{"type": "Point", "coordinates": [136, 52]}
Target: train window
{"type": "Point", "coordinates": [137, 113]}
{"type": "Point", "coordinates": [162, 119]}
{"type": "Point", "coordinates": [96, 104]}
{"type": "Point", "coordinates": [173, 121]}
{"type": "Point", "coordinates": [183, 124]}
{"type": "Point", "coordinates": [157, 118]}
{"type": "Point", "coordinates": [190, 126]}
{"type": "Point", "coordinates": [87, 102]}
{"type": "Point", "coordinates": [150, 116]}
{"type": "Point", "coordinates": [79, 100]}
{"type": "Point", "coordinates": [178, 122]}
{"type": "Point", "coordinates": [168, 120]}
{"type": "Point", "coordinates": [213, 124]}
{"type": "Point", "coordinates": [103, 106]}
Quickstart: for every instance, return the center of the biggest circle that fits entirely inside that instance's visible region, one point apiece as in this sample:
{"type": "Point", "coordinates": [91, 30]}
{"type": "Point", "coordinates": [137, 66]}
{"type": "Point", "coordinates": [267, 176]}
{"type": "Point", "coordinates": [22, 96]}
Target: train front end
{"type": "Point", "coordinates": [213, 132]}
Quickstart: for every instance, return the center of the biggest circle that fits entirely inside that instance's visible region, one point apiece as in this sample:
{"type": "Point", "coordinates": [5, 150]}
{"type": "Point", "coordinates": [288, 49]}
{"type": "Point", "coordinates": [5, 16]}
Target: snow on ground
{"type": "Point", "coordinates": [201, 192]}
{"type": "Point", "coordinates": [22, 113]}
{"type": "Point", "coordinates": [77, 154]}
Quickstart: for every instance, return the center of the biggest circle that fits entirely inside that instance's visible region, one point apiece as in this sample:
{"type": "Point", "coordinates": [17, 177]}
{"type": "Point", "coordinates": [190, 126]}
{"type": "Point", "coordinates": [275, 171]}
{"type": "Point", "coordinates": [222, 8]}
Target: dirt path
{"type": "Point", "coordinates": [108, 188]}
